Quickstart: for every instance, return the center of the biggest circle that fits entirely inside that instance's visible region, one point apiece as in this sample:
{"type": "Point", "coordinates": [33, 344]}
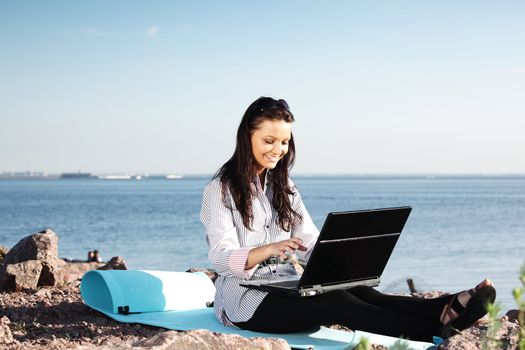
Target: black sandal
{"type": "Point", "coordinates": [475, 309]}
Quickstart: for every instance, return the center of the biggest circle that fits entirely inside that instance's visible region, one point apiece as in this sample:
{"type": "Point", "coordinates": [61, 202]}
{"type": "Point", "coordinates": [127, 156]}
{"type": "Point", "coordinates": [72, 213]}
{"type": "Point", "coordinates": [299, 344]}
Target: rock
{"type": "Point", "coordinates": [43, 294]}
{"type": "Point", "coordinates": [211, 274]}
{"type": "Point", "coordinates": [428, 295]}
{"type": "Point", "coordinates": [115, 263]}
{"type": "Point", "coordinates": [6, 337]}
{"type": "Point", "coordinates": [513, 315]}
{"type": "Point", "coordinates": [205, 340]}
{"type": "Point", "coordinates": [70, 272]}
{"type": "Point", "coordinates": [3, 252]}
{"type": "Point", "coordinates": [24, 275]}
{"type": "Point", "coordinates": [473, 338]}
{"type": "Point", "coordinates": [41, 246]}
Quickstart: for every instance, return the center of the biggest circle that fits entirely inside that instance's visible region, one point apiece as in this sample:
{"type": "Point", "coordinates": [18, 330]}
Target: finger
{"type": "Point", "coordinates": [299, 246]}
{"type": "Point", "coordinates": [297, 240]}
{"type": "Point", "coordinates": [293, 246]}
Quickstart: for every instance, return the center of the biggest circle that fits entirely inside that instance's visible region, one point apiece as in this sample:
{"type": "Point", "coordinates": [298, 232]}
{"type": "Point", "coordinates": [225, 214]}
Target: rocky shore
{"type": "Point", "coordinates": [41, 308]}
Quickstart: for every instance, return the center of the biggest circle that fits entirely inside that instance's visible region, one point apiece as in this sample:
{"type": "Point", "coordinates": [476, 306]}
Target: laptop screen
{"type": "Point", "coordinates": [354, 246]}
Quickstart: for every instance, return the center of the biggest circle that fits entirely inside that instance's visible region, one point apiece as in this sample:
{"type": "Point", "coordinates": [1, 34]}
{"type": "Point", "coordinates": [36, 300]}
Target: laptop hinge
{"type": "Point", "coordinates": [311, 291]}
{"type": "Point", "coordinates": [317, 289]}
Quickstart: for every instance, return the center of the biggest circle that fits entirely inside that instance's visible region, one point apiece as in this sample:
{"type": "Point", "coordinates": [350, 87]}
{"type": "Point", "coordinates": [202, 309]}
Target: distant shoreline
{"type": "Point", "coordinates": [299, 175]}
{"type": "Point", "coordinates": [88, 176]}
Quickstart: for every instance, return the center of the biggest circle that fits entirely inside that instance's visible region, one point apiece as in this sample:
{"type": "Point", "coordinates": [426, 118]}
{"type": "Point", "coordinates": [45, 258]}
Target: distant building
{"type": "Point", "coordinates": [77, 176]}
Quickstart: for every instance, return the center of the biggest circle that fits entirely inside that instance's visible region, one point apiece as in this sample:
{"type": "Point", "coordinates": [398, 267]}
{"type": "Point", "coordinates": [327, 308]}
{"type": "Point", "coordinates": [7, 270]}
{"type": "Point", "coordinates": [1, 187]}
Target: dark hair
{"type": "Point", "coordinates": [238, 172]}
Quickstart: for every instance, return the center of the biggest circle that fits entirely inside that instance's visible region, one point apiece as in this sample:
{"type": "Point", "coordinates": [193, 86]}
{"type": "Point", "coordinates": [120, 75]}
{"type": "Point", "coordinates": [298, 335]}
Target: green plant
{"type": "Point", "coordinates": [520, 302]}
{"type": "Point", "coordinates": [400, 344]}
{"type": "Point", "coordinates": [489, 339]}
{"type": "Point", "coordinates": [363, 344]}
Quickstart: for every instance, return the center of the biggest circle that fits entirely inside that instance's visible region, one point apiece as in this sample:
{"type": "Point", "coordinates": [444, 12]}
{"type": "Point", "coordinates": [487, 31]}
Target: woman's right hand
{"type": "Point", "coordinates": [288, 246]}
{"type": "Point", "coordinates": [259, 254]}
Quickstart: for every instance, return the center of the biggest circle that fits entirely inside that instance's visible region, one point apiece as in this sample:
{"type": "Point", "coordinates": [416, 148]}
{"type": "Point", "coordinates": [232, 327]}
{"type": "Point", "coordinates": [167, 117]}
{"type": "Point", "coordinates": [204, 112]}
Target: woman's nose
{"type": "Point", "coordinates": [278, 149]}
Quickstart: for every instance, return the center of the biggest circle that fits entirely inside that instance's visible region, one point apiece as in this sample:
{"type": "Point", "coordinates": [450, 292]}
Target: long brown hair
{"type": "Point", "coordinates": [237, 174]}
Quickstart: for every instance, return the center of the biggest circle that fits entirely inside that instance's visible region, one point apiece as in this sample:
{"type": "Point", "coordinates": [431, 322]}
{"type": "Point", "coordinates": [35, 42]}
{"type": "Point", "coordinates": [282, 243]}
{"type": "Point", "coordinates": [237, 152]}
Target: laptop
{"type": "Point", "coordinates": [352, 249]}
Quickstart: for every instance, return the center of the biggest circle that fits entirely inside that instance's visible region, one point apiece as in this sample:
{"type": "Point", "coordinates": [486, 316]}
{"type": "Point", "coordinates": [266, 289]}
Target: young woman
{"type": "Point", "coordinates": [253, 215]}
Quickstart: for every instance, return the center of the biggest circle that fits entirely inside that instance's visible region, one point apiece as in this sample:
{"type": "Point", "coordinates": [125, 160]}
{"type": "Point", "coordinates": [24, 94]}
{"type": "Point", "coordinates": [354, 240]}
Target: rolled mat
{"type": "Point", "coordinates": [178, 300]}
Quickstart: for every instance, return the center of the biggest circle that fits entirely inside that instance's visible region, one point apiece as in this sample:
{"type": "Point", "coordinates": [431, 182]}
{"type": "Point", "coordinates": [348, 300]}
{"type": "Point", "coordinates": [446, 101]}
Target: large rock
{"type": "Point", "coordinates": [6, 337]}
{"type": "Point", "coordinates": [24, 275]}
{"type": "Point", "coordinates": [43, 247]}
{"type": "Point", "coordinates": [205, 340]}
{"type": "Point", "coordinates": [115, 263]}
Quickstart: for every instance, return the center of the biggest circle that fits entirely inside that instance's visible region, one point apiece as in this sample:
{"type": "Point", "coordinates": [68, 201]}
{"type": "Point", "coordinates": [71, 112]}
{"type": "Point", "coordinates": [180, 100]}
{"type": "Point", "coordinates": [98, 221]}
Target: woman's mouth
{"type": "Point", "coordinates": [272, 158]}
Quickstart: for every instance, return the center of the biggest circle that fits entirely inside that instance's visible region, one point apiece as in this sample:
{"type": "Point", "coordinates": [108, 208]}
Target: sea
{"type": "Point", "coordinates": [462, 229]}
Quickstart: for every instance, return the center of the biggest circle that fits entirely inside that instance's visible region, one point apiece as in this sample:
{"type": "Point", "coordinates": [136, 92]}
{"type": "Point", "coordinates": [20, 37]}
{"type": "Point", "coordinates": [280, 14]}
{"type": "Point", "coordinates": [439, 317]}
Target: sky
{"type": "Point", "coordinates": [376, 87]}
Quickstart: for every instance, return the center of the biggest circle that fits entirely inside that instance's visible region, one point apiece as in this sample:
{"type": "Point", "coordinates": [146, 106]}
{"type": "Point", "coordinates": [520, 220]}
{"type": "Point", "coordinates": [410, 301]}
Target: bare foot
{"type": "Point", "coordinates": [449, 314]}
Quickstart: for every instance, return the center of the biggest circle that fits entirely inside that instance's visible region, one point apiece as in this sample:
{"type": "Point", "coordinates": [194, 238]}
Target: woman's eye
{"type": "Point", "coordinates": [269, 142]}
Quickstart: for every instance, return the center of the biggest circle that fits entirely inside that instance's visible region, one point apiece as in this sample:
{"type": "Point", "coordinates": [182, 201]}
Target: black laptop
{"type": "Point", "coordinates": [352, 249]}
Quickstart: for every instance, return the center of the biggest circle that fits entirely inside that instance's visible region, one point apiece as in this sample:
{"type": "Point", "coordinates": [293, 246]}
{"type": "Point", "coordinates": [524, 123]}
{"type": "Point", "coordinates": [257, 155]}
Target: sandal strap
{"type": "Point", "coordinates": [450, 316]}
{"type": "Point", "coordinates": [454, 306]}
{"type": "Point", "coordinates": [447, 312]}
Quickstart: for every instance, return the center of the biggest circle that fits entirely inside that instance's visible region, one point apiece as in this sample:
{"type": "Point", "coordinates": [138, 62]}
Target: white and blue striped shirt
{"type": "Point", "coordinates": [230, 241]}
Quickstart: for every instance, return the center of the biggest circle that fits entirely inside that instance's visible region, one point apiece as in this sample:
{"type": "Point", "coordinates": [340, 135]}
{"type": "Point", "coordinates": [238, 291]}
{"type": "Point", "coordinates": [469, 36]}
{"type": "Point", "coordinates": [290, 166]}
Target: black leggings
{"type": "Point", "coordinates": [360, 308]}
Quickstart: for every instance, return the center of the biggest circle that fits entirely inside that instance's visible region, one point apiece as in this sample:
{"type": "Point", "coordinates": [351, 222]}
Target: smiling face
{"type": "Point", "coordinates": [270, 143]}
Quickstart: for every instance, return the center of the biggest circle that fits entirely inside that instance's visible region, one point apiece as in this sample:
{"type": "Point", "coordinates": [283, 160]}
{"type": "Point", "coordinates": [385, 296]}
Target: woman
{"type": "Point", "coordinates": [253, 214]}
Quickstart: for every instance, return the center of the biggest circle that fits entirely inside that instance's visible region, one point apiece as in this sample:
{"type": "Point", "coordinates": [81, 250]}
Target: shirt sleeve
{"type": "Point", "coordinates": [225, 252]}
{"type": "Point", "coordinates": [303, 228]}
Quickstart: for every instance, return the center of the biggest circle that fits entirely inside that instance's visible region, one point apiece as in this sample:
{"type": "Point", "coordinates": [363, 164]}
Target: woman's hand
{"type": "Point", "coordinates": [281, 248]}
{"type": "Point", "coordinates": [288, 246]}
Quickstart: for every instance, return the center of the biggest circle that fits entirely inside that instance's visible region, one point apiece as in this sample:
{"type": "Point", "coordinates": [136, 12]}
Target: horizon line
{"type": "Point", "coordinates": [321, 174]}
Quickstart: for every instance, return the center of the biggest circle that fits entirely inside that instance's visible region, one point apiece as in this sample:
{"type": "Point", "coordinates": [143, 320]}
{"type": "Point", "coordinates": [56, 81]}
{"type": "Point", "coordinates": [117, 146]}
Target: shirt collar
{"type": "Point", "coordinates": [266, 180]}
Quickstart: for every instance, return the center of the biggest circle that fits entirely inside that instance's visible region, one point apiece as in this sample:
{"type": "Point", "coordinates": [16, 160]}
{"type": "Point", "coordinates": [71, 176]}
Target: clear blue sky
{"type": "Point", "coordinates": [160, 86]}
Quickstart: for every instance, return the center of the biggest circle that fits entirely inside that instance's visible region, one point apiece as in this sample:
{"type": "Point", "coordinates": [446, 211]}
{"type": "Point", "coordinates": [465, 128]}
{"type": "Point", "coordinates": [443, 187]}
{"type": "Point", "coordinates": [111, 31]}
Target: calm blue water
{"type": "Point", "coordinates": [461, 229]}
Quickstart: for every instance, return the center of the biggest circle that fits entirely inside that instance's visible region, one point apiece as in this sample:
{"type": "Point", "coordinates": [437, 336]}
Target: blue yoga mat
{"type": "Point", "coordinates": [177, 300]}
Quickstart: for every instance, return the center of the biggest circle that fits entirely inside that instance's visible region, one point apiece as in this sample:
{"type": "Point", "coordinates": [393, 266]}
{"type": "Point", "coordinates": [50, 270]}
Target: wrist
{"type": "Point", "coordinates": [269, 251]}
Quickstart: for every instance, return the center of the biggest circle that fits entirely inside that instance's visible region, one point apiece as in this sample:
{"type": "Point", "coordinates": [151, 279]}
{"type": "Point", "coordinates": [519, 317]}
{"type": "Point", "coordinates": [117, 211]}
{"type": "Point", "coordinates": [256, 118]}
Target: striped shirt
{"type": "Point", "coordinates": [230, 241]}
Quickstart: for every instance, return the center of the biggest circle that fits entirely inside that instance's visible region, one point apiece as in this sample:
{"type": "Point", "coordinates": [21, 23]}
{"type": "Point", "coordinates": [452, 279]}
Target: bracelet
{"type": "Point", "coordinates": [273, 260]}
